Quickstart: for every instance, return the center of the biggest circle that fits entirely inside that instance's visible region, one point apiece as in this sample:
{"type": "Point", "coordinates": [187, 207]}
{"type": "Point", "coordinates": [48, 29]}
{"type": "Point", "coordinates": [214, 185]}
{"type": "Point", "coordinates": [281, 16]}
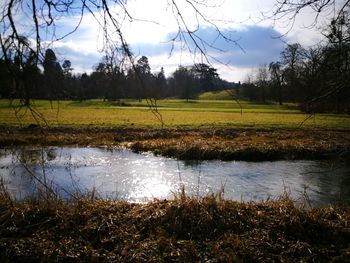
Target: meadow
{"type": "Point", "coordinates": [88, 229]}
{"type": "Point", "coordinates": [175, 113]}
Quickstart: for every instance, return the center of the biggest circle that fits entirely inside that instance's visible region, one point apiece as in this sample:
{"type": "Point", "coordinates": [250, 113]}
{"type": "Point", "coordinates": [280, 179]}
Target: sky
{"type": "Point", "coordinates": [255, 41]}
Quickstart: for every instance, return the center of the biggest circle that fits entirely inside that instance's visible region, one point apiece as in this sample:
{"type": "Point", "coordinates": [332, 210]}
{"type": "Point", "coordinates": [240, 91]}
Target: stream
{"type": "Point", "coordinates": [124, 175]}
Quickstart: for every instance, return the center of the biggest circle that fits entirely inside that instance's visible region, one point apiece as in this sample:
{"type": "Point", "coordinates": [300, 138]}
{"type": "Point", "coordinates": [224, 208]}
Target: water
{"type": "Point", "coordinates": [122, 174]}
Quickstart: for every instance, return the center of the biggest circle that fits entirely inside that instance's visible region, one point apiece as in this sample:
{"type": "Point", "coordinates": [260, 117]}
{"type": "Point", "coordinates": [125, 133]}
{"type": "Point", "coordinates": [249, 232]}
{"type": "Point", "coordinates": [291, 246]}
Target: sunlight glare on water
{"type": "Point", "coordinates": [122, 174]}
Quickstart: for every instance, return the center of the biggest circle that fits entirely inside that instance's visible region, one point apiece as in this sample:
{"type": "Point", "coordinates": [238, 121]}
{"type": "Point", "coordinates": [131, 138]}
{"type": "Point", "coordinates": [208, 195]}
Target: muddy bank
{"type": "Point", "coordinates": [182, 230]}
{"type": "Point", "coordinates": [195, 144]}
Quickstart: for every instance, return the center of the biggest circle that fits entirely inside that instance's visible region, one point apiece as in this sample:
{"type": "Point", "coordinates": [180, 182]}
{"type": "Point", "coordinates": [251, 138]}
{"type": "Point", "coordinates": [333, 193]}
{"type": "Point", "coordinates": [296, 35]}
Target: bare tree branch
{"type": "Point", "coordinates": [288, 11]}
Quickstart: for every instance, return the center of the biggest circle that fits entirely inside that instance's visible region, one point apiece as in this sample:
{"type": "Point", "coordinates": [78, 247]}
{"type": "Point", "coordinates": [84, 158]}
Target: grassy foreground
{"type": "Point", "coordinates": [182, 230]}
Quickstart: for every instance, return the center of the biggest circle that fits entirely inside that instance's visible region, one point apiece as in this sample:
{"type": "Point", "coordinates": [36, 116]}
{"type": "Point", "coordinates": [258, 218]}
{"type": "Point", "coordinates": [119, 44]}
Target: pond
{"type": "Point", "coordinates": [124, 175]}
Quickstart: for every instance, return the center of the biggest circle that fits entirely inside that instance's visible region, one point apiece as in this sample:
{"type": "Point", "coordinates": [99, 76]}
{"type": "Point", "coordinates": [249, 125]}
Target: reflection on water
{"type": "Point", "coordinates": [122, 174]}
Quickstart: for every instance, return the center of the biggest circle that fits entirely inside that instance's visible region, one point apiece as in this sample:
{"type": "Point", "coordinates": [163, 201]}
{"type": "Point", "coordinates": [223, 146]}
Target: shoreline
{"type": "Point", "coordinates": [241, 144]}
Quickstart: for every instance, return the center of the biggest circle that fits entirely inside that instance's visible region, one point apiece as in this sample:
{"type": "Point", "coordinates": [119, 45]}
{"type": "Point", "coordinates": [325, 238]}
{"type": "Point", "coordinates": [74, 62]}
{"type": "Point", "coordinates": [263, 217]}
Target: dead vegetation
{"type": "Point", "coordinates": [182, 230]}
{"type": "Point", "coordinates": [209, 229]}
{"type": "Point", "coordinates": [201, 143]}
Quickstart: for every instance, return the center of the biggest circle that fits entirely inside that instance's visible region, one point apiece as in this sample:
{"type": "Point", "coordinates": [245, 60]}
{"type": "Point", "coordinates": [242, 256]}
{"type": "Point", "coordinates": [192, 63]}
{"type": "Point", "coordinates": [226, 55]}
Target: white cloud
{"type": "Point", "coordinates": [151, 24]}
{"type": "Point", "coordinates": [154, 20]}
{"type": "Point", "coordinates": [235, 74]}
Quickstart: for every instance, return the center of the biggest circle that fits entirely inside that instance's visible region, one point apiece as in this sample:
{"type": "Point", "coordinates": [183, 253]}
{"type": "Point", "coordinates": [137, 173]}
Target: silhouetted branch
{"type": "Point", "coordinates": [288, 10]}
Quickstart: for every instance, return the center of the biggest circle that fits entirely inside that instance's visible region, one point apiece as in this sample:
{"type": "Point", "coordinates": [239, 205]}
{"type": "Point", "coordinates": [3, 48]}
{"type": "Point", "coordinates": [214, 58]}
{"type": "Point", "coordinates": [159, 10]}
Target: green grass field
{"type": "Point", "coordinates": [175, 113]}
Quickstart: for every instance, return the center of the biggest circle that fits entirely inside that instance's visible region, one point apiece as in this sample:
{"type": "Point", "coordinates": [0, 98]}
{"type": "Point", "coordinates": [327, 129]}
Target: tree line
{"type": "Point", "coordinates": [318, 78]}
{"type": "Point", "coordinates": [20, 77]}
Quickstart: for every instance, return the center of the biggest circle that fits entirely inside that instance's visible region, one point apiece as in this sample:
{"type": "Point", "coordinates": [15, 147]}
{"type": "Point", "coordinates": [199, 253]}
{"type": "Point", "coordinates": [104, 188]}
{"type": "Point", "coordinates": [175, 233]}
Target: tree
{"type": "Point", "coordinates": [22, 70]}
{"type": "Point", "coordinates": [67, 68]}
{"type": "Point", "coordinates": [276, 80]}
{"type": "Point", "coordinates": [160, 85]}
{"type": "Point", "coordinates": [311, 75]}
{"type": "Point", "coordinates": [249, 90]}
{"type": "Point", "coordinates": [334, 70]}
{"type": "Point", "coordinates": [143, 78]}
{"type": "Point", "coordinates": [53, 75]}
{"type": "Point", "coordinates": [5, 80]}
{"type": "Point", "coordinates": [69, 83]}
{"type": "Point", "coordinates": [31, 78]}
{"type": "Point", "coordinates": [338, 60]}
{"type": "Point", "coordinates": [183, 81]}
{"type": "Point", "coordinates": [262, 82]}
{"type": "Point", "coordinates": [143, 66]}
{"type": "Point", "coordinates": [111, 76]}
{"type": "Point", "coordinates": [83, 88]}
{"type": "Point", "coordinates": [326, 69]}
{"type": "Point", "coordinates": [206, 76]}
{"type": "Point", "coordinates": [291, 59]}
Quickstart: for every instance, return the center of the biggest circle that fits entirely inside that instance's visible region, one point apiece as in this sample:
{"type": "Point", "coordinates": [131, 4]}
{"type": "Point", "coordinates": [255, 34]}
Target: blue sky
{"type": "Point", "coordinates": [258, 40]}
{"type": "Point", "coordinates": [256, 45]}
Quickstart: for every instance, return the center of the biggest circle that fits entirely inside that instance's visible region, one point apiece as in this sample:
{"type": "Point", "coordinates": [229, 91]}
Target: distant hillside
{"type": "Point", "coordinates": [215, 95]}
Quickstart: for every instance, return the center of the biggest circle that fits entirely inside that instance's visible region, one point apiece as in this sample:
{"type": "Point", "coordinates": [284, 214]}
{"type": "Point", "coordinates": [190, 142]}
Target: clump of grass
{"type": "Point", "coordinates": [185, 229]}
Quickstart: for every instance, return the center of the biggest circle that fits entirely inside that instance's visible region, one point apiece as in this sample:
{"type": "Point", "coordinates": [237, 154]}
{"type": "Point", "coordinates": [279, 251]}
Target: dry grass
{"type": "Point", "coordinates": [182, 230]}
{"type": "Point", "coordinates": [250, 145]}
{"type": "Point", "coordinates": [194, 143]}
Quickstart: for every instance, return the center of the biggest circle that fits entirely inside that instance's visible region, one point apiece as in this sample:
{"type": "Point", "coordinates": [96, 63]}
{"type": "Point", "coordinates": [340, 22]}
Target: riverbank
{"type": "Point", "coordinates": [248, 144]}
{"type": "Point", "coordinates": [181, 230]}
